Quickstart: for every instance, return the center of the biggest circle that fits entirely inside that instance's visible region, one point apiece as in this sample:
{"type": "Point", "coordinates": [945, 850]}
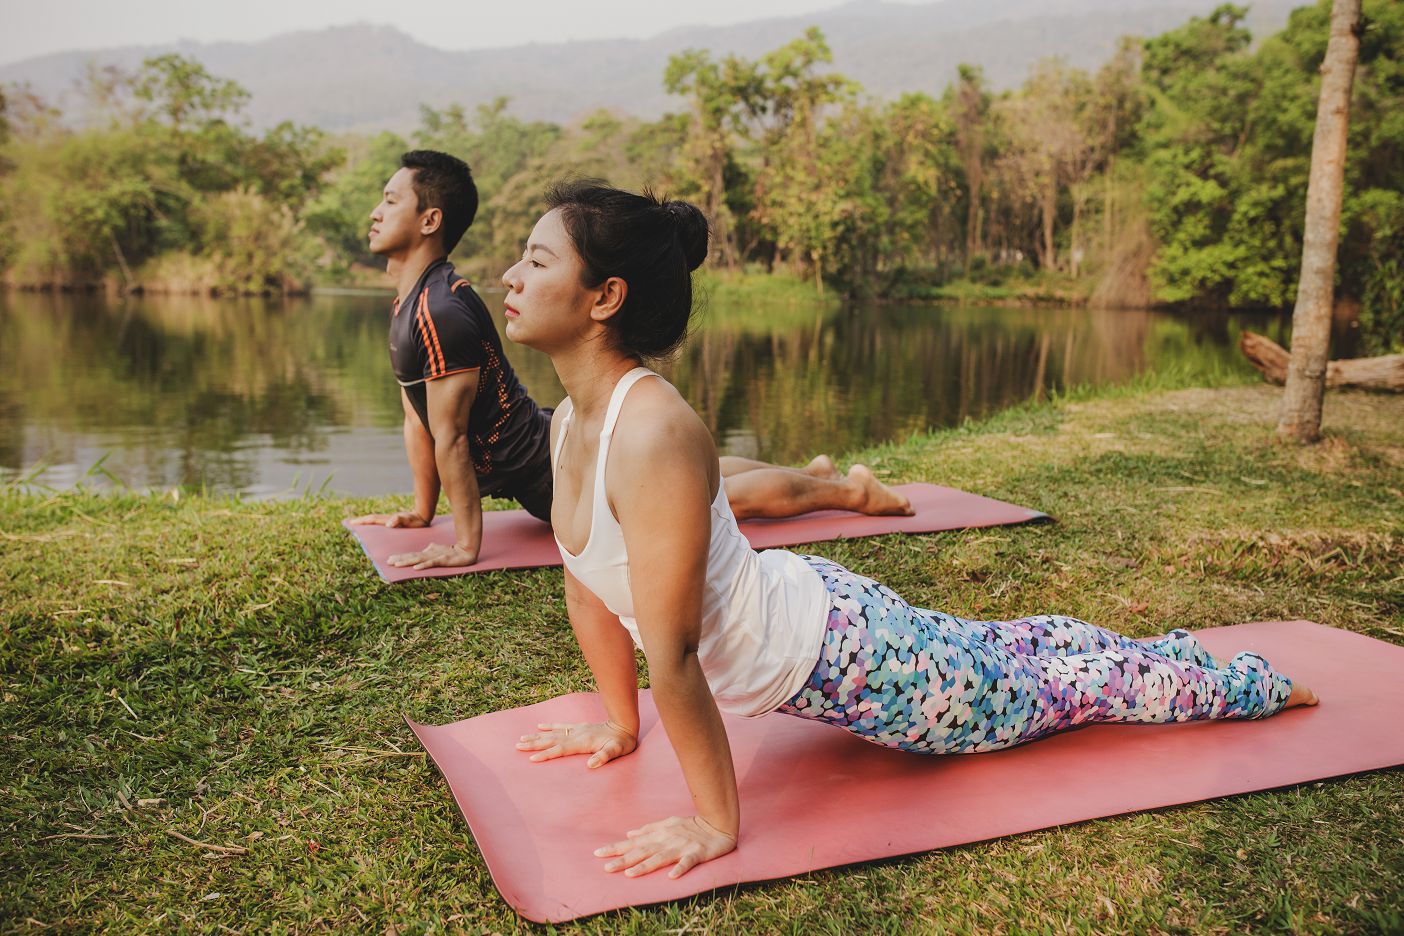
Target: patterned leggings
{"type": "Point", "coordinates": [929, 682]}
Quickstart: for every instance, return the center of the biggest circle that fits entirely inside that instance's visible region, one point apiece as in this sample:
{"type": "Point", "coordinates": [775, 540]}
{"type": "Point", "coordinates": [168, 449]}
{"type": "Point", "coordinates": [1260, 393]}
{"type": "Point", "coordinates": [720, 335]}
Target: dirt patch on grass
{"type": "Point", "coordinates": [1379, 414]}
{"type": "Point", "coordinates": [1297, 556]}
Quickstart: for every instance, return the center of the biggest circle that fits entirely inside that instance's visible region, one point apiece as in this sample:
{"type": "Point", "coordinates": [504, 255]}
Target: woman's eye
{"type": "Point", "coordinates": [534, 263]}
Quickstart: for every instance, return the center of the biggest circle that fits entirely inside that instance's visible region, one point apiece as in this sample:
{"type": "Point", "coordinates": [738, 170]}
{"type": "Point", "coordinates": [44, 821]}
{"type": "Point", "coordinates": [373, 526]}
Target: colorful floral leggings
{"type": "Point", "coordinates": [929, 682]}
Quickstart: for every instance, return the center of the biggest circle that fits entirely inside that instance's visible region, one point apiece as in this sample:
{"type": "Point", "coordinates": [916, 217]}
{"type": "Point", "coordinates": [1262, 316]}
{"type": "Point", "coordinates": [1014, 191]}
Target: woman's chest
{"type": "Point", "coordinates": [573, 496]}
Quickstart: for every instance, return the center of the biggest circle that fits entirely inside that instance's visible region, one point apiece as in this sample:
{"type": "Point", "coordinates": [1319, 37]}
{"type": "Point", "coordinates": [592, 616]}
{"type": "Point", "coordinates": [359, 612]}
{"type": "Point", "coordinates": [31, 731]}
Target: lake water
{"type": "Point", "coordinates": [284, 397]}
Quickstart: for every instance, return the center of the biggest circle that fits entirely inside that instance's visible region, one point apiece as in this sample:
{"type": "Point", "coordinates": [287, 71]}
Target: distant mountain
{"type": "Point", "coordinates": [366, 77]}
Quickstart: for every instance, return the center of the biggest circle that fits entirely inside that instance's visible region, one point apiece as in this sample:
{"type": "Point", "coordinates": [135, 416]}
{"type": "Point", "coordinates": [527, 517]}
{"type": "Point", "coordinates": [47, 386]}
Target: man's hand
{"type": "Point", "coordinates": [434, 556]}
{"type": "Point", "coordinates": [603, 741]}
{"type": "Point", "coordinates": [405, 518]}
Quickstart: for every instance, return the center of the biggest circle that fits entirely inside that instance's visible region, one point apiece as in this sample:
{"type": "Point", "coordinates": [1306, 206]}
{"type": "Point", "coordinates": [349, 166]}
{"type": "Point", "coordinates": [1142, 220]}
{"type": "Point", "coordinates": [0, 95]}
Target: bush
{"type": "Point", "coordinates": [255, 246]}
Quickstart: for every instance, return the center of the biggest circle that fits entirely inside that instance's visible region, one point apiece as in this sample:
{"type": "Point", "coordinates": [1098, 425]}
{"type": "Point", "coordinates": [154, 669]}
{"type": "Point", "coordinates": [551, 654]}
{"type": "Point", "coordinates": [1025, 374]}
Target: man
{"type": "Point", "coordinates": [470, 429]}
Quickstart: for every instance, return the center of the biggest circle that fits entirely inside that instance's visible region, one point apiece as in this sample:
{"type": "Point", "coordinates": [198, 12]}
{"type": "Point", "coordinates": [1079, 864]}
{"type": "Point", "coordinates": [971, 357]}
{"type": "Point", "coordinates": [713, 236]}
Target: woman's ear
{"type": "Point", "coordinates": [609, 299]}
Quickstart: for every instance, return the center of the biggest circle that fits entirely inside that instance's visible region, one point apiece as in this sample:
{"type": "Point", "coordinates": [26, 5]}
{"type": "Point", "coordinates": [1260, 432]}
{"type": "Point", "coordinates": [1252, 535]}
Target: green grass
{"type": "Point", "coordinates": [1036, 289]}
{"type": "Point", "coordinates": [758, 300]}
{"type": "Point", "coordinates": [234, 672]}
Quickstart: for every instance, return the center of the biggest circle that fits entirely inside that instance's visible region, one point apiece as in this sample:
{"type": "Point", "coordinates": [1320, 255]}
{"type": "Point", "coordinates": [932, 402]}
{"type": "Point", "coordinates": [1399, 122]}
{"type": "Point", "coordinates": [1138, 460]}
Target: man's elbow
{"type": "Point", "coordinates": [450, 440]}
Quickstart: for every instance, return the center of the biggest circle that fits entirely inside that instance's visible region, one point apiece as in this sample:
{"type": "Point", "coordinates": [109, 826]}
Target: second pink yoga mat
{"type": "Point", "coordinates": [814, 796]}
{"type": "Point", "coordinates": [512, 539]}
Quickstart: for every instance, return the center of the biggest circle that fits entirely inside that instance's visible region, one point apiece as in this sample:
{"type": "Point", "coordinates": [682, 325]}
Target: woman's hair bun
{"type": "Point", "coordinates": [691, 230]}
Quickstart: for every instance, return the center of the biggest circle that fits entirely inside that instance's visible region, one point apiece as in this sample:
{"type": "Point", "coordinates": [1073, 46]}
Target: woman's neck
{"type": "Point", "coordinates": [589, 374]}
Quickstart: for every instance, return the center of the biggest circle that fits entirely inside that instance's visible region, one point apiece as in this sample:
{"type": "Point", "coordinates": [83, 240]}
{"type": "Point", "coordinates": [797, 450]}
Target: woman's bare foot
{"type": "Point", "coordinates": [1301, 695]}
{"type": "Point", "coordinates": [822, 466]}
{"type": "Point", "coordinates": [877, 498]}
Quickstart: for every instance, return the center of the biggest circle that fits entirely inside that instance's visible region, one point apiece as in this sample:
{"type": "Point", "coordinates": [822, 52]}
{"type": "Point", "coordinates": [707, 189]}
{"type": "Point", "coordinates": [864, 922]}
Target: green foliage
{"type": "Point", "coordinates": [169, 174]}
{"type": "Point", "coordinates": [504, 153]}
{"type": "Point", "coordinates": [722, 96]}
{"type": "Point", "coordinates": [1177, 172]}
{"type": "Point", "coordinates": [181, 91]}
{"type": "Point", "coordinates": [1227, 140]}
{"type": "Point", "coordinates": [257, 245]}
{"type": "Point", "coordinates": [1381, 213]}
{"type": "Point", "coordinates": [340, 213]}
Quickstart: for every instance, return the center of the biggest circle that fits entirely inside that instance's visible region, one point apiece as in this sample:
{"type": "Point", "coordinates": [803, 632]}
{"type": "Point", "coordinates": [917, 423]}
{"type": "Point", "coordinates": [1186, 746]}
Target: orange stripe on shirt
{"type": "Point", "coordinates": [433, 332]}
{"type": "Point", "coordinates": [427, 343]}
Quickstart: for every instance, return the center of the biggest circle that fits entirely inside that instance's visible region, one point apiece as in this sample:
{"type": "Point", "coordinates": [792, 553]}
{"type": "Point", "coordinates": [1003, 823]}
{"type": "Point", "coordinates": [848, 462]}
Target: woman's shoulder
{"type": "Point", "coordinates": [656, 421]}
{"type": "Point", "coordinates": [660, 452]}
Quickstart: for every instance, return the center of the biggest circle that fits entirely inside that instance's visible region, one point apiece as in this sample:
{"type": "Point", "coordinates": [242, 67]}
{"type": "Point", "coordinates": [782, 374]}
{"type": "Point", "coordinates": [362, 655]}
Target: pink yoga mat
{"type": "Point", "coordinates": [513, 539]}
{"type": "Point", "coordinates": [814, 796]}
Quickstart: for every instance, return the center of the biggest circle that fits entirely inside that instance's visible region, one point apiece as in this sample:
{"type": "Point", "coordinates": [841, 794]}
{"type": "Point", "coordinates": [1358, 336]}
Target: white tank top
{"type": "Point", "coordinates": [763, 615]}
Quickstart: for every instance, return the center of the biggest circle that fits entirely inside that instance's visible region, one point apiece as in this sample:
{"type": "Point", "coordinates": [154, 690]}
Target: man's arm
{"type": "Point", "coordinates": [444, 450]}
{"type": "Point", "coordinates": [450, 400]}
{"type": "Point", "coordinates": [419, 449]}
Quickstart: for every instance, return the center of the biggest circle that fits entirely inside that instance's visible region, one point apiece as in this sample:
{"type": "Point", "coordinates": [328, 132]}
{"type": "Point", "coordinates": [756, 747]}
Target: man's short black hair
{"type": "Point", "coordinates": [444, 182]}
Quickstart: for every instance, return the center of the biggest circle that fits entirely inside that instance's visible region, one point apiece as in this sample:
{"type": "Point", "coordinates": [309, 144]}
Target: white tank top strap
{"type": "Point", "coordinates": [616, 403]}
{"type": "Point", "coordinates": [566, 410]}
{"type": "Point", "coordinates": [616, 399]}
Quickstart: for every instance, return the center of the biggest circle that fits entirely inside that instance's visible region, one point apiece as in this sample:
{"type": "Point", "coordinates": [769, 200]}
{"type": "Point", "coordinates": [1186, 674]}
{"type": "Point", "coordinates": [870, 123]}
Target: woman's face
{"type": "Point", "coordinates": [548, 306]}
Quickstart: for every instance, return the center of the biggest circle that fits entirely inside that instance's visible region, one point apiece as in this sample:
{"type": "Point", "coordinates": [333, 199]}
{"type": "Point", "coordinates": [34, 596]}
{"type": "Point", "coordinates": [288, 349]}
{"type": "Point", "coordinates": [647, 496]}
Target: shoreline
{"type": "Point", "coordinates": [748, 287]}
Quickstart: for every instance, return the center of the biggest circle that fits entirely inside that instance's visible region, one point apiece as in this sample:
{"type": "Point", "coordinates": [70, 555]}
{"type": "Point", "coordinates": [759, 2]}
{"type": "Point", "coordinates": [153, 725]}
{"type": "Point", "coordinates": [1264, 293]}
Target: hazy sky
{"type": "Point", "coordinates": [35, 27]}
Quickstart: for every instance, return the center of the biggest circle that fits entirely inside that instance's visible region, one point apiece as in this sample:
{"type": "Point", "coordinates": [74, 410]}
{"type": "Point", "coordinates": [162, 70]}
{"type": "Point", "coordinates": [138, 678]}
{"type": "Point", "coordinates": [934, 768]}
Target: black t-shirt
{"type": "Point", "coordinates": [443, 328]}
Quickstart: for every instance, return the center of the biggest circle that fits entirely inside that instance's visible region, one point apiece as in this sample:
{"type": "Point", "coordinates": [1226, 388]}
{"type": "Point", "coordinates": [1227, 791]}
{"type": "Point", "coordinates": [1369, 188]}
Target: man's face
{"type": "Point", "coordinates": [397, 224]}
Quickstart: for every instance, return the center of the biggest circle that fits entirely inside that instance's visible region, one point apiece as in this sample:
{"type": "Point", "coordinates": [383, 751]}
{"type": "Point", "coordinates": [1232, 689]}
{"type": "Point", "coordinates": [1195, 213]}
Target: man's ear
{"type": "Point", "coordinates": [609, 298]}
{"type": "Point", "coordinates": [430, 221]}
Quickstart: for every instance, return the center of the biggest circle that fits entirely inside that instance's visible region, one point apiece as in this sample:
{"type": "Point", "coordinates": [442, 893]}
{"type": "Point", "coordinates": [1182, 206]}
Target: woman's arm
{"type": "Point", "coordinates": [609, 652]}
{"type": "Point", "coordinates": [661, 479]}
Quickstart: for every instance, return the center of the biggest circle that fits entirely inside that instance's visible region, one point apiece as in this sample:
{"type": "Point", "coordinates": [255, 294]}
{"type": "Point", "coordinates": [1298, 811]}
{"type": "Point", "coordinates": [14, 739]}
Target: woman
{"type": "Point", "coordinates": [653, 557]}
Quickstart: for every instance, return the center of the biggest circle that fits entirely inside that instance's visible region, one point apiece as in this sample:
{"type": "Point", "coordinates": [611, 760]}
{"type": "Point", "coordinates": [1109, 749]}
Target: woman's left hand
{"type": "Point", "coordinates": [683, 843]}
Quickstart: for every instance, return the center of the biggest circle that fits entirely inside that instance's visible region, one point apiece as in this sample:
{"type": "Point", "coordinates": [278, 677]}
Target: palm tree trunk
{"type": "Point", "coordinates": [1311, 319]}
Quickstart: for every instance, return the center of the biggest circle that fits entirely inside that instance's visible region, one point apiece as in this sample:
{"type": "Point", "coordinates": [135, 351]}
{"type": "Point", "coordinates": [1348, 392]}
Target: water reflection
{"type": "Point", "coordinates": [270, 396]}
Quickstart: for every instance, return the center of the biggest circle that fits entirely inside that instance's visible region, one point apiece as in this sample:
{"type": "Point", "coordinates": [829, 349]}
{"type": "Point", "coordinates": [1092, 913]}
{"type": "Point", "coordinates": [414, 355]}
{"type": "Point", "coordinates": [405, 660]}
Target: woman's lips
{"type": "Point", "coordinates": [510, 312]}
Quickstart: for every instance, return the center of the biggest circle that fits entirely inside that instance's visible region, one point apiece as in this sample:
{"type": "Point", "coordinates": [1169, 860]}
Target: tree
{"type": "Point", "coordinates": [1115, 109]}
{"type": "Point", "coordinates": [184, 93]}
{"type": "Point", "coordinates": [1311, 319]}
{"type": "Point", "coordinates": [499, 148]}
{"type": "Point", "coordinates": [916, 181]}
{"type": "Point", "coordinates": [721, 93]}
{"type": "Point", "coordinates": [1051, 150]}
{"type": "Point", "coordinates": [970, 107]}
{"type": "Point", "coordinates": [340, 212]}
{"type": "Point", "coordinates": [798, 196]}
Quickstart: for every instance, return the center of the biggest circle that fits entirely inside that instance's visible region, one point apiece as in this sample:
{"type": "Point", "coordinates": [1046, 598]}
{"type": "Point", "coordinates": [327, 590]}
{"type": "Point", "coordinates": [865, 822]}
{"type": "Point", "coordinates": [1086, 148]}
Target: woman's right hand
{"type": "Point", "coordinates": [603, 741]}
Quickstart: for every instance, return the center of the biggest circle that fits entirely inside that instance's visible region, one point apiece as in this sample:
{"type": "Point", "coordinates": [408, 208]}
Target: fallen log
{"type": "Point", "coordinates": [1376, 373]}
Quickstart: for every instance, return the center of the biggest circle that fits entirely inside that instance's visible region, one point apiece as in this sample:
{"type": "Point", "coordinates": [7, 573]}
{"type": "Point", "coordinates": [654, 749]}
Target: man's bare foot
{"type": "Point", "coordinates": [822, 466]}
{"type": "Point", "coordinates": [1301, 695]}
{"type": "Point", "coordinates": [877, 498]}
